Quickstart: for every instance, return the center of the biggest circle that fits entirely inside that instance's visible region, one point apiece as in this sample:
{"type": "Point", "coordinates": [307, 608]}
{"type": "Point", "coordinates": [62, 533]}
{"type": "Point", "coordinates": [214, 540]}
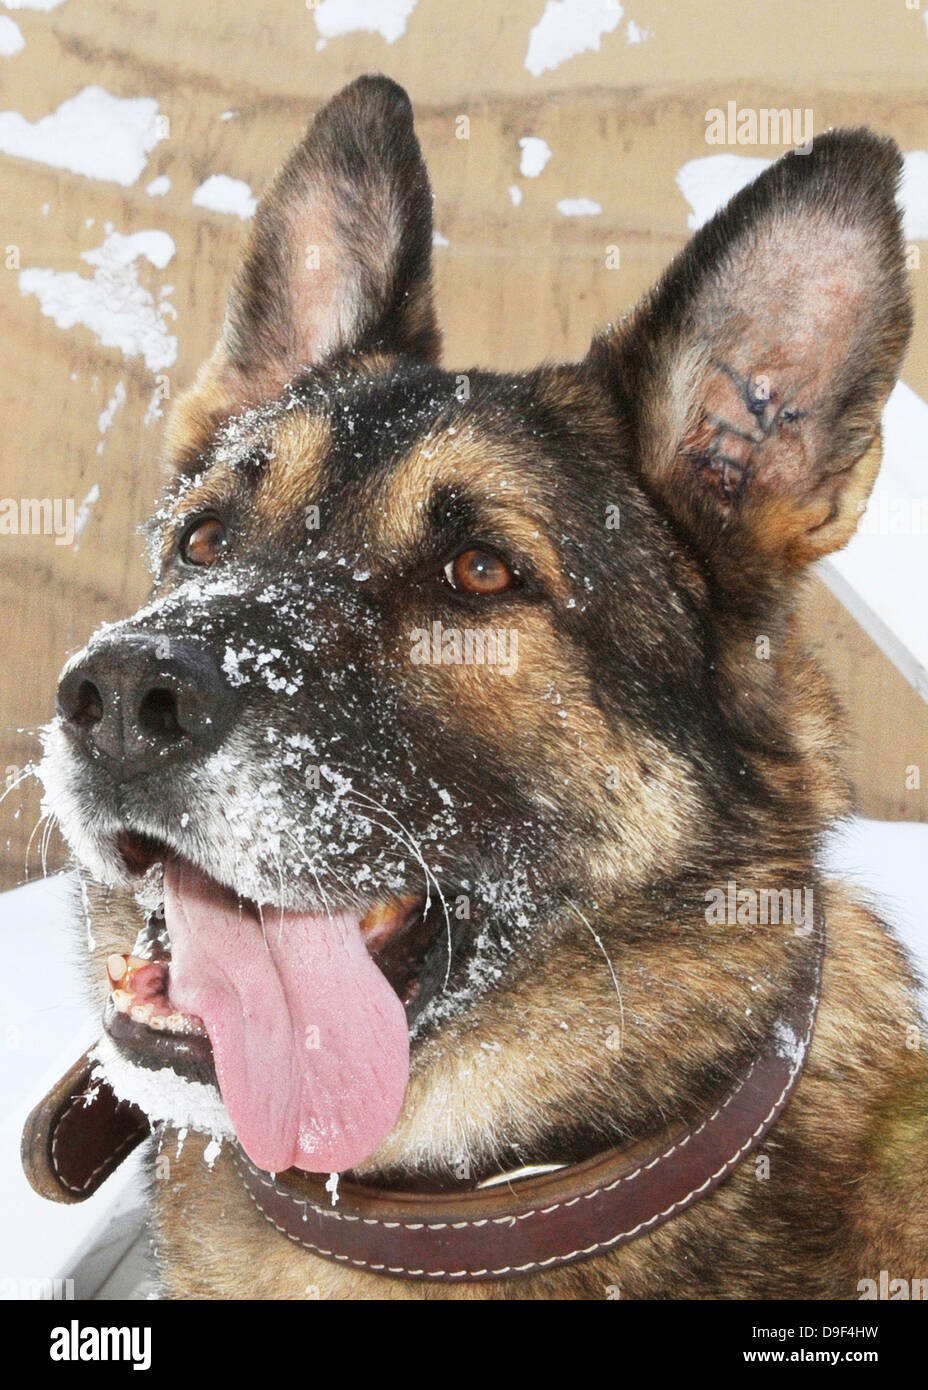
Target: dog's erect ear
{"type": "Point", "coordinates": [754, 374]}
{"type": "Point", "coordinates": [340, 252]}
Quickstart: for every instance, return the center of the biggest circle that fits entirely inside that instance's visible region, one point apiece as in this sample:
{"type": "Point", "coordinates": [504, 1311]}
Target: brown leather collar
{"type": "Point", "coordinates": [79, 1134]}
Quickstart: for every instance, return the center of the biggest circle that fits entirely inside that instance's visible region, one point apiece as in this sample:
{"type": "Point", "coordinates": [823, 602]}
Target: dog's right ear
{"type": "Point", "coordinates": [752, 378]}
{"type": "Point", "coordinates": [339, 257]}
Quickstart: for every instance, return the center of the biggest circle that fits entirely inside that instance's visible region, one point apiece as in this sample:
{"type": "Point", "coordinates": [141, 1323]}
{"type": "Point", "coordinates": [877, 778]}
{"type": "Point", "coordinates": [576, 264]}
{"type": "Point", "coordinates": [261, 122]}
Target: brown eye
{"type": "Point", "coordinates": [479, 572]}
{"type": "Point", "coordinates": [204, 542]}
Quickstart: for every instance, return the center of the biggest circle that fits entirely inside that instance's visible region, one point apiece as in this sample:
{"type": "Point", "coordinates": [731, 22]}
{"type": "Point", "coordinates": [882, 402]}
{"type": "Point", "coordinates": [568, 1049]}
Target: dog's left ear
{"type": "Point", "coordinates": [340, 252]}
{"type": "Point", "coordinates": [753, 377]}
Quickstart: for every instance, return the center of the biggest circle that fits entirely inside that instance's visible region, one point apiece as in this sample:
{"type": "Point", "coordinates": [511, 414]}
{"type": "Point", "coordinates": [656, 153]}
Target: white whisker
{"type": "Point", "coordinates": [39, 823]}
{"type": "Point", "coordinates": [618, 993]}
{"type": "Point", "coordinates": [280, 883]}
{"type": "Point", "coordinates": [46, 838]}
{"type": "Point", "coordinates": [17, 781]}
{"type": "Point", "coordinates": [429, 875]}
{"type": "Point", "coordinates": [312, 869]}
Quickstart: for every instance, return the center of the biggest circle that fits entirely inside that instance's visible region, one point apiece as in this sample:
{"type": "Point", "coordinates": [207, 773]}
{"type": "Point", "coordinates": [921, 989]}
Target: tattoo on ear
{"type": "Point", "coordinates": [724, 451]}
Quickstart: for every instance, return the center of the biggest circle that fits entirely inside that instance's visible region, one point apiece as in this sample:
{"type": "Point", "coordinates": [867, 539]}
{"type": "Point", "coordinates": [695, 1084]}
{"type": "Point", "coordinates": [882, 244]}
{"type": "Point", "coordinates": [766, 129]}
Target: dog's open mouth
{"type": "Point", "coordinates": [300, 1018]}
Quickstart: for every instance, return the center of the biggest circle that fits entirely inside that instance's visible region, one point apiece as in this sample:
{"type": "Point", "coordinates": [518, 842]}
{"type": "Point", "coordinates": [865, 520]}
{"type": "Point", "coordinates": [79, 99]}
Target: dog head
{"type": "Point", "coordinates": [441, 667]}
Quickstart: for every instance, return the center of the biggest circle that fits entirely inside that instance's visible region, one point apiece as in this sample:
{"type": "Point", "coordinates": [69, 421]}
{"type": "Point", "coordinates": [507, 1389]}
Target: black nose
{"type": "Point", "coordinates": [145, 700]}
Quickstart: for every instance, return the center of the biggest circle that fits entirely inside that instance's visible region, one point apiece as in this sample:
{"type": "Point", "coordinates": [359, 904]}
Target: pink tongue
{"type": "Point", "coordinates": [310, 1042]}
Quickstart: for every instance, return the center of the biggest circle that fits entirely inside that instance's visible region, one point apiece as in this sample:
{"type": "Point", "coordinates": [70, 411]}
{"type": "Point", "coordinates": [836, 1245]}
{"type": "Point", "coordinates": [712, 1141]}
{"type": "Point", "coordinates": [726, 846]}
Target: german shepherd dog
{"type": "Point", "coordinates": [459, 701]}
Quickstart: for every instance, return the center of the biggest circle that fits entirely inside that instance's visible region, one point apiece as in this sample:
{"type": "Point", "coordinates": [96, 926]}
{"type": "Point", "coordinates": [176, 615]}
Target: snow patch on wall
{"type": "Point", "coordinates": [93, 133]}
{"type": "Point", "coordinates": [32, 4]}
{"type": "Point", "coordinates": [335, 18]}
{"type": "Point", "coordinates": [913, 194]}
{"type": "Point", "coordinates": [83, 512]}
{"type": "Point", "coordinates": [110, 411]}
{"type": "Point", "coordinates": [11, 38]}
{"type": "Point", "coordinates": [579, 207]}
{"type": "Point", "coordinates": [155, 410]}
{"type": "Point", "coordinates": [221, 193]}
{"type": "Point", "coordinates": [709, 183]}
{"type": "Point", "coordinates": [568, 28]}
{"type": "Point", "coordinates": [635, 34]}
{"type": "Point", "coordinates": [112, 304]}
{"type": "Point", "coordinates": [157, 247]}
{"type": "Point", "coordinates": [535, 155]}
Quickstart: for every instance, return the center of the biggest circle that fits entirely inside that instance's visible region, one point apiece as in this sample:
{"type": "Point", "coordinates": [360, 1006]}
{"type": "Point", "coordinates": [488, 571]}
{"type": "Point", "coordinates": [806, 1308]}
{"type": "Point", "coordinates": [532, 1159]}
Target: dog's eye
{"type": "Point", "coordinates": [479, 572]}
{"type": "Point", "coordinates": [203, 542]}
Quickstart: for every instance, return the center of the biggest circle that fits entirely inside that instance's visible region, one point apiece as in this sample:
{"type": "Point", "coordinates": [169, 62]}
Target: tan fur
{"type": "Point", "coordinates": [467, 456]}
{"type": "Point", "coordinates": [197, 414]}
{"type": "Point", "coordinates": [291, 477]}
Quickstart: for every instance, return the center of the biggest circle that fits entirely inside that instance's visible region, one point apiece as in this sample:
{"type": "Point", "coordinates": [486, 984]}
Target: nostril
{"type": "Point", "coordinates": [129, 702]}
{"type": "Point", "coordinates": [158, 713]}
{"type": "Point", "coordinates": [81, 703]}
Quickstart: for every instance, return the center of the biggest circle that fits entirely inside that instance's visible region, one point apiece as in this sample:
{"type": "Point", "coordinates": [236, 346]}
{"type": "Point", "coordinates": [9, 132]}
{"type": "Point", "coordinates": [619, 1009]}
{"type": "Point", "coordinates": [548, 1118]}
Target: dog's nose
{"type": "Point", "coordinates": [145, 700]}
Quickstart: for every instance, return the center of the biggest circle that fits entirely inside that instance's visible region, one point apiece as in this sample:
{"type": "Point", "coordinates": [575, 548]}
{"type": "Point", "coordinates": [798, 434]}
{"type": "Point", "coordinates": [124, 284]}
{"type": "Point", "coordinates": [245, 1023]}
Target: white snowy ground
{"type": "Point", "coordinates": [45, 1024]}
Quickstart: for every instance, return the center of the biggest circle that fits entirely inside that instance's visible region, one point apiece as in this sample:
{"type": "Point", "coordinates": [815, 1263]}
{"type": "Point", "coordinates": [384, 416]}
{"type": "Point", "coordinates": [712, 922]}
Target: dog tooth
{"type": "Point", "coordinates": [384, 920]}
{"type": "Point", "coordinates": [156, 1021]}
{"type": "Point", "coordinates": [175, 1022]}
{"type": "Point", "coordinates": [142, 1013]}
{"type": "Point", "coordinates": [116, 968]}
{"type": "Point", "coordinates": [122, 998]}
